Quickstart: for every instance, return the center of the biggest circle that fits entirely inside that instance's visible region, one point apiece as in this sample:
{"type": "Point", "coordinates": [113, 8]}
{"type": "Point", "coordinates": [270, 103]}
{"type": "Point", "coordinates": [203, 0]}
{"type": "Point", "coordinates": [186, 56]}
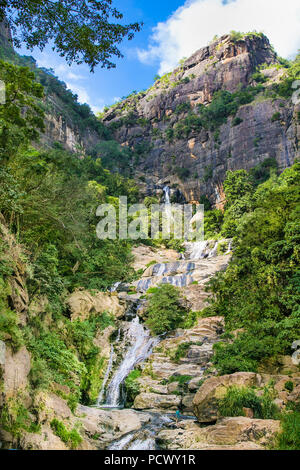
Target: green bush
{"type": "Point", "coordinates": [265, 223]}
{"type": "Point", "coordinates": [238, 398]}
{"type": "Point", "coordinates": [276, 117]}
{"type": "Point", "coordinates": [289, 437]}
{"type": "Point", "coordinates": [165, 312]}
{"type": "Point", "coordinates": [71, 438]}
{"type": "Point", "coordinates": [289, 386]}
{"type": "Point", "coordinates": [180, 352]}
{"type": "Point", "coordinates": [132, 386]}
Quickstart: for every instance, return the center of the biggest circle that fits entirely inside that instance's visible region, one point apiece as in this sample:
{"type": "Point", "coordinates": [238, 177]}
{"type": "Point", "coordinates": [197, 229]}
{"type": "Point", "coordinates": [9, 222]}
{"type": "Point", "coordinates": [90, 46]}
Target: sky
{"type": "Point", "coordinates": [173, 29]}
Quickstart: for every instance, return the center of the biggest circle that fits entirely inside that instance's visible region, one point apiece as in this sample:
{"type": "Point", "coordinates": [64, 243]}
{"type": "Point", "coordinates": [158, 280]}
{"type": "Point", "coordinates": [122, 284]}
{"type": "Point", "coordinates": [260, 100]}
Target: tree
{"type": "Point", "coordinates": [237, 184]}
{"type": "Point", "coordinates": [165, 312]}
{"type": "Point", "coordinates": [83, 31]}
{"type": "Point", "coordinates": [21, 117]}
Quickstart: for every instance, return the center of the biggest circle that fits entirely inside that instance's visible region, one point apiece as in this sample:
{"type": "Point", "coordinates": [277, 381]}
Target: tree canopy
{"type": "Point", "coordinates": [82, 31]}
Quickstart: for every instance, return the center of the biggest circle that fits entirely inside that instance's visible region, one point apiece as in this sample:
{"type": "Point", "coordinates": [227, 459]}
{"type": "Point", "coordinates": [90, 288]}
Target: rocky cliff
{"type": "Point", "coordinates": [184, 134]}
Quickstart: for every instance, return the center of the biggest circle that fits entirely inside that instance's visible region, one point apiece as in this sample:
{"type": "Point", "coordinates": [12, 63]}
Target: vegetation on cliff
{"type": "Point", "coordinates": [259, 292]}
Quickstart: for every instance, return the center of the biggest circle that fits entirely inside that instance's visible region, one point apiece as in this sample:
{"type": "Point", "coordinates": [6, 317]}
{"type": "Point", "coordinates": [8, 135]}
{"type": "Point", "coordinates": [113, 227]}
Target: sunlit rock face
{"type": "Point", "coordinates": [196, 164]}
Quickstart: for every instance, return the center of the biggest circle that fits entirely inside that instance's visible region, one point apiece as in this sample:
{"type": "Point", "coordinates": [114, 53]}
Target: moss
{"type": "Point", "coordinates": [70, 438]}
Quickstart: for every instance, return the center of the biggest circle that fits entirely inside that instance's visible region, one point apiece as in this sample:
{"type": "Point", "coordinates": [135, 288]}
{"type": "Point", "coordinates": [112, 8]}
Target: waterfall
{"type": "Point", "coordinates": [198, 250]}
{"type": "Point", "coordinates": [214, 251]}
{"type": "Point", "coordinates": [229, 248]}
{"type": "Point", "coordinates": [109, 367]}
{"type": "Point", "coordinates": [167, 192]}
{"type": "Point", "coordinates": [141, 344]}
{"type": "Point", "coordinates": [115, 287]}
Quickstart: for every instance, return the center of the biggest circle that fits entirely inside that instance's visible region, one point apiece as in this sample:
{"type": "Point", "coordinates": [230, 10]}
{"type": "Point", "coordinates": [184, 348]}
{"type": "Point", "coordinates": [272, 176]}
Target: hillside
{"type": "Point", "coordinates": [222, 109]}
{"type": "Point", "coordinates": [68, 122]}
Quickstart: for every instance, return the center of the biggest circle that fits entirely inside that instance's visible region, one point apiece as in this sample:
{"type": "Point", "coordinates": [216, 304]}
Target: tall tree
{"type": "Point", "coordinates": [82, 31]}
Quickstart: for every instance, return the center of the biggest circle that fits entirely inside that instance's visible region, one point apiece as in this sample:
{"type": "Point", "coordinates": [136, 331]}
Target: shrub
{"type": "Point", "coordinates": [180, 352]}
{"type": "Point", "coordinates": [276, 117]}
{"type": "Point", "coordinates": [71, 438]}
{"type": "Point", "coordinates": [132, 386]}
{"type": "Point", "coordinates": [237, 121]}
{"type": "Point", "coordinates": [238, 398]}
{"type": "Point", "coordinates": [181, 379]}
{"type": "Point", "coordinates": [164, 312]}
{"type": "Point", "coordinates": [289, 438]}
{"type": "Point", "coordinates": [289, 386]}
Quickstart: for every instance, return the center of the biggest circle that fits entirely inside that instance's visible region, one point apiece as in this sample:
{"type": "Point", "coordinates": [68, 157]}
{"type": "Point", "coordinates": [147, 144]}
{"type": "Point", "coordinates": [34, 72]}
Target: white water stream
{"type": "Point", "coordinates": [140, 347]}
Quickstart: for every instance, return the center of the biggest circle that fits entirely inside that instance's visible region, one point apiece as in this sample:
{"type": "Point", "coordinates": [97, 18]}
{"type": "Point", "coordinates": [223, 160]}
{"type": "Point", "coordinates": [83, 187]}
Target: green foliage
{"type": "Point", "coordinates": [94, 25]}
{"type": "Point", "coordinates": [239, 36]}
{"type": "Point", "coordinates": [180, 352]}
{"type": "Point", "coordinates": [182, 173]}
{"type": "Point", "coordinates": [21, 117]}
{"type": "Point", "coordinates": [71, 438]}
{"type": "Point", "coordinates": [289, 438]}
{"type": "Point", "coordinates": [132, 386]}
{"type": "Point", "coordinates": [237, 185]}
{"type": "Point", "coordinates": [164, 312]}
{"type": "Point", "coordinates": [289, 386]}
{"type": "Point", "coordinates": [183, 108]}
{"type": "Point", "coordinates": [208, 173]}
{"type": "Point", "coordinates": [260, 289]}
{"type": "Point", "coordinates": [15, 418]}
{"type": "Point", "coordinates": [113, 156]}
{"type": "Point", "coordinates": [237, 398]}
{"type": "Point", "coordinates": [181, 379]}
{"type": "Point", "coordinates": [285, 87]}
{"type": "Point", "coordinates": [262, 172]}
{"type": "Point", "coordinates": [61, 361]}
{"type": "Point", "coordinates": [276, 117]}
{"type": "Point", "coordinates": [213, 220]}
{"type": "Point", "coordinates": [237, 121]}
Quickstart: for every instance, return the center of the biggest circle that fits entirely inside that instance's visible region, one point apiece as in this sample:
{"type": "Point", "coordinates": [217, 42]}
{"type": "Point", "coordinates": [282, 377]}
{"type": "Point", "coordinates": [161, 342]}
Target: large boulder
{"type": "Point", "coordinates": [82, 303]}
{"type": "Point", "coordinates": [100, 427]}
{"type": "Point", "coordinates": [228, 434]}
{"type": "Point", "coordinates": [148, 401]}
{"type": "Point", "coordinates": [214, 389]}
{"type": "Point", "coordinates": [144, 255]}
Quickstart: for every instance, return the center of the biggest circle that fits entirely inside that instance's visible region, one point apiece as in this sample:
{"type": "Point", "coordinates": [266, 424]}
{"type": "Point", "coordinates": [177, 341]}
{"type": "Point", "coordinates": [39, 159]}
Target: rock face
{"type": "Point", "coordinates": [148, 401]}
{"type": "Point", "coordinates": [16, 368]}
{"type": "Point", "coordinates": [207, 398]}
{"type": "Point", "coordinates": [195, 163]}
{"type": "Point", "coordinates": [82, 304]}
{"type": "Point", "coordinates": [157, 390]}
{"type": "Point", "coordinates": [228, 434]}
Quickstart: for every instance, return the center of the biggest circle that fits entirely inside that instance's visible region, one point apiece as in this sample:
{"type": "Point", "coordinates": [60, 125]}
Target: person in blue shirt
{"type": "Point", "coordinates": [177, 415]}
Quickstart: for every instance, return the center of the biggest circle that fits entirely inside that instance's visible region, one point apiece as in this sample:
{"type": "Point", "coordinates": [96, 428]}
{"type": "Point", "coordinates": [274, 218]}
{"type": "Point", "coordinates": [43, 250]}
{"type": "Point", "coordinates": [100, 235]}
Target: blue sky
{"type": "Point", "coordinates": [173, 29]}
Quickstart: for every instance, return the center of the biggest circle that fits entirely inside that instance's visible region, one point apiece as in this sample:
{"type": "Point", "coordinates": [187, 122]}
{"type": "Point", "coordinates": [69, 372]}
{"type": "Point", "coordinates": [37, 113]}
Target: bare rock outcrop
{"type": "Point", "coordinates": [228, 434]}
{"type": "Point", "coordinates": [82, 303]}
{"type": "Point", "coordinates": [214, 389]}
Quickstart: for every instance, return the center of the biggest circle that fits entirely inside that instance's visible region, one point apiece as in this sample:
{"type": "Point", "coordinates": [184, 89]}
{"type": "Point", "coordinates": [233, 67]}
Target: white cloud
{"type": "Point", "coordinates": [80, 91]}
{"type": "Point", "coordinates": [195, 23]}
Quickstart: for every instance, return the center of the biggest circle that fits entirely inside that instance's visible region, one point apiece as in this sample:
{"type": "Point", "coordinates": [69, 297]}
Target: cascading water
{"type": "Point", "coordinates": [109, 367]}
{"type": "Point", "coordinates": [198, 250]}
{"type": "Point", "coordinates": [167, 193]}
{"type": "Point", "coordinates": [141, 345]}
{"type": "Point", "coordinates": [115, 287]}
{"type": "Point", "coordinates": [214, 251]}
